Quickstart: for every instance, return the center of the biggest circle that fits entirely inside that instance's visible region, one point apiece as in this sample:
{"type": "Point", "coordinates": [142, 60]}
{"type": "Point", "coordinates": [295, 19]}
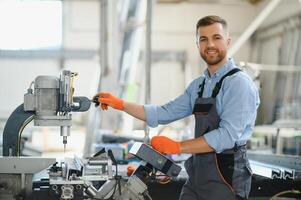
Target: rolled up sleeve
{"type": "Point", "coordinates": [239, 103]}
{"type": "Point", "coordinates": [151, 115]}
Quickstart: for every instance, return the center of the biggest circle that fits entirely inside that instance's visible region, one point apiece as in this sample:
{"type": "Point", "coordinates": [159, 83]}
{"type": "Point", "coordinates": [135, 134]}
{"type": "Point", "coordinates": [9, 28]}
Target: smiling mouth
{"type": "Point", "coordinates": [211, 52]}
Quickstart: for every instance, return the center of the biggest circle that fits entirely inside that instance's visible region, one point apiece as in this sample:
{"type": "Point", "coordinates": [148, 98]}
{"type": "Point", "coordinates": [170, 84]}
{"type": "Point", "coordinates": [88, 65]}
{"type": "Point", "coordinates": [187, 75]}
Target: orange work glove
{"type": "Point", "coordinates": [107, 99]}
{"type": "Point", "coordinates": [165, 145]}
{"type": "Point", "coordinates": [130, 170]}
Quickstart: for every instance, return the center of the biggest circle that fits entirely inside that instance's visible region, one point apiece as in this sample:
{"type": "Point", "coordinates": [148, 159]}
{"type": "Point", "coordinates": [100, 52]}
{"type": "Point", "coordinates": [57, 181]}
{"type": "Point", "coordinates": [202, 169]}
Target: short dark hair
{"type": "Point", "coordinates": [209, 20]}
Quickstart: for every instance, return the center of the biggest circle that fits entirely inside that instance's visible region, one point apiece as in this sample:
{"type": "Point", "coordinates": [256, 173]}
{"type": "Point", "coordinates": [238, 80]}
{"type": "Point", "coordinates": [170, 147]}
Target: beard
{"type": "Point", "coordinates": [213, 59]}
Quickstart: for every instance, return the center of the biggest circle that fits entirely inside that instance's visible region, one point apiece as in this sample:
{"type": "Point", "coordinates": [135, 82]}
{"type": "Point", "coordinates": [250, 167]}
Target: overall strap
{"type": "Point", "coordinates": [219, 84]}
{"type": "Point", "coordinates": [200, 93]}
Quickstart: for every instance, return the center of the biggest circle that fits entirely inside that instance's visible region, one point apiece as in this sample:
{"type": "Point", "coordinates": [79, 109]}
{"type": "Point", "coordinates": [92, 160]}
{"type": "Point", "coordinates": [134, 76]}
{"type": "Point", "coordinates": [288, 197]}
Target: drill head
{"type": "Point", "coordinates": [64, 142]}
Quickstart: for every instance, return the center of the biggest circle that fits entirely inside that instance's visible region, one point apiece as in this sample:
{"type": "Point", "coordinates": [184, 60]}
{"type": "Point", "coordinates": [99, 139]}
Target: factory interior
{"type": "Point", "coordinates": [58, 142]}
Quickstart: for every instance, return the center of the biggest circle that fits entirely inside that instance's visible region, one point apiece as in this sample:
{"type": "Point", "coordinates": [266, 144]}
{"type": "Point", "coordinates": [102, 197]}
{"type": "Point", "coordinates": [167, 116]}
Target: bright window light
{"type": "Point", "coordinates": [30, 24]}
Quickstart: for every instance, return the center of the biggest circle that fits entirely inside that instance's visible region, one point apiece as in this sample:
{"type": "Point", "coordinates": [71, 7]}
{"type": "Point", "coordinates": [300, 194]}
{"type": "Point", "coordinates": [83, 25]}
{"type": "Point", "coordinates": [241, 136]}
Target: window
{"type": "Point", "coordinates": [30, 24]}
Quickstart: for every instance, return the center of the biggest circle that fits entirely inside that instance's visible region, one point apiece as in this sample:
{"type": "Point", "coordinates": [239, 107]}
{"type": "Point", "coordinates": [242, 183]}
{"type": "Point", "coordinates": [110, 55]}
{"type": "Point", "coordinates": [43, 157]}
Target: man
{"type": "Point", "coordinates": [224, 102]}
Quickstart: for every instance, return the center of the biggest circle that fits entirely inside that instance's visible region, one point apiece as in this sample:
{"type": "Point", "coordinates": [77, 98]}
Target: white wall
{"type": "Point", "coordinates": [285, 9]}
{"type": "Point", "coordinates": [82, 24]}
{"type": "Point", "coordinates": [15, 78]}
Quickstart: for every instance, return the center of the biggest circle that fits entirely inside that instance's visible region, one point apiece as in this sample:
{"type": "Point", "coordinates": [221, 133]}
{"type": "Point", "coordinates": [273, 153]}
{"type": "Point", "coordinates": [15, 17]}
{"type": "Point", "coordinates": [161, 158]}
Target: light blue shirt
{"type": "Point", "coordinates": [236, 104]}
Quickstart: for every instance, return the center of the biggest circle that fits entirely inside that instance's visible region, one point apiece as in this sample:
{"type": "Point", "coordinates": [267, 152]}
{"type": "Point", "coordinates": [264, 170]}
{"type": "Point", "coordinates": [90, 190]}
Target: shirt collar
{"type": "Point", "coordinates": [222, 70]}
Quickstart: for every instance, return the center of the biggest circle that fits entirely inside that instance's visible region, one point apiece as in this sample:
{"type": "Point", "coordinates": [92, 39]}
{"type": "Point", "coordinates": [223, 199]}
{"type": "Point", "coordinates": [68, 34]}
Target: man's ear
{"type": "Point", "coordinates": [228, 41]}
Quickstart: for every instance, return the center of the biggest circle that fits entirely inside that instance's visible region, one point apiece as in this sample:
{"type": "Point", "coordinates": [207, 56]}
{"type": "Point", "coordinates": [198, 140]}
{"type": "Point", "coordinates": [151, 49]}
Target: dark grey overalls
{"type": "Point", "coordinates": [215, 176]}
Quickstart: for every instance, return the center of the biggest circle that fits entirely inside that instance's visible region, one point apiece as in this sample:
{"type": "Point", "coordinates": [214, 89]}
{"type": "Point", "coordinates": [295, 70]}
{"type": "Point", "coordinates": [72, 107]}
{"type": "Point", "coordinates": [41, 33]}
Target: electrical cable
{"type": "Point", "coordinates": [286, 192]}
{"type": "Point", "coordinates": [73, 74]}
{"type": "Point", "coordinates": [31, 84]}
{"type": "Point", "coordinates": [117, 177]}
{"type": "Point", "coordinates": [165, 180]}
{"type": "Point", "coordinates": [103, 150]}
{"type": "Point", "coordinates": [20, 132]}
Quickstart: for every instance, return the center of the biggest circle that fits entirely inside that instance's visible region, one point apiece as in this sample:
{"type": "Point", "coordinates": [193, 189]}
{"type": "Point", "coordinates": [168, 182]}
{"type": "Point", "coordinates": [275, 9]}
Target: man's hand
{"type": "Point", "coordinates": [107, 99]}
{"type": "Point", "coordinates": [165, 145]}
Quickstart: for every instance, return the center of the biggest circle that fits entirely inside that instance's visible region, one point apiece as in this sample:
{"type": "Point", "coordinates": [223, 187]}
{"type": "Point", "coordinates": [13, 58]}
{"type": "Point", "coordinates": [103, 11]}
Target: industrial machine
{"type": "Point", "coordinates": [67, 180]}
{"type": "Point", "coordinates": [43, 178]}
{"type": "Point", "coordinates": [93, 178]}
{"type": "Point", "coordinates": [134, 187]}
{"type": "Point", "coordinates": [80, 178]}
{"type": "Point", "coordinates": [50, 103]}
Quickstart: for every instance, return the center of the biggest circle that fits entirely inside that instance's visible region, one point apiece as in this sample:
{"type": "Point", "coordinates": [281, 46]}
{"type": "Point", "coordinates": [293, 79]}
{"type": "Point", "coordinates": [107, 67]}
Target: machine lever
{"type": "Point", "coordinates": [83, 104]}
{"type": "Point", "coordinates": [99, 152]}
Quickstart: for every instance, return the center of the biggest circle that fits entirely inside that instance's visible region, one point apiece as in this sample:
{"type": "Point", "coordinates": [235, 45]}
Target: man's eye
{"type": "Point", "coordinates": [202, 40]}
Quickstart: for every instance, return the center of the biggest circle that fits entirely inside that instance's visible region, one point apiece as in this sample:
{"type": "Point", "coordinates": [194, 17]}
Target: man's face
{"type": "Point", "coordinates": [213, 43]}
